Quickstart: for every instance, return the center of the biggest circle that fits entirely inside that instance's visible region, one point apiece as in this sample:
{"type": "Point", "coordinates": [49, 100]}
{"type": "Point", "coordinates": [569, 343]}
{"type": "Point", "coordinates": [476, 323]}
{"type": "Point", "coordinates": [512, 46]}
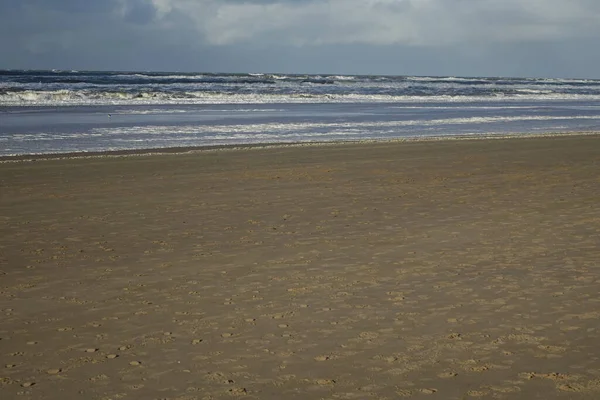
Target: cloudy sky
{"type": "Point", "coordinates": [399, 37]}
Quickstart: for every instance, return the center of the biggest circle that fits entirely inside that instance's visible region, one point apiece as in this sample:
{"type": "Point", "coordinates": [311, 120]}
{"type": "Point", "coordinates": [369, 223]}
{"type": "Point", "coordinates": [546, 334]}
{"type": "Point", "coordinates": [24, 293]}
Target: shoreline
{"type": "Point", "coordinates": [250, 146]}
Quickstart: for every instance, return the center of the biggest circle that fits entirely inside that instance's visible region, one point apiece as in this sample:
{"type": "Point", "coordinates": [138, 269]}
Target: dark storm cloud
{"type": "Point", "coordinates": [139, 12]}
{"type": "Point", "coordinates": [454, 37]}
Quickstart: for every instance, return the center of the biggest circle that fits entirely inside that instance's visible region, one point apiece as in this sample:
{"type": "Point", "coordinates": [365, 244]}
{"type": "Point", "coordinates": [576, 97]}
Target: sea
{"type": "Point", "coordinates": [55, 111]}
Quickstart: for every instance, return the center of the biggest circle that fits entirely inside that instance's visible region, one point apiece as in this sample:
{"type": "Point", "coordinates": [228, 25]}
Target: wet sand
{"type": "Point", "coordinates": [450, 270]}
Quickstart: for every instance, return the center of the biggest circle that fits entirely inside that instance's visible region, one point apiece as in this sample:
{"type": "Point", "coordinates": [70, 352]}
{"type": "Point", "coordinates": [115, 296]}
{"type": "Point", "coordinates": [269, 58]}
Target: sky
{"type": "Point", "coordinates": [538, 38]}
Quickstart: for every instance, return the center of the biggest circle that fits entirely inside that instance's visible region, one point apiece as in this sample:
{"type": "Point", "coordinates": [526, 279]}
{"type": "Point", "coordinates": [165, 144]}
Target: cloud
{"type": "Point", "coordinates": [314, 22]}
{"type": "Point", "coordinates": [455, 37]}
{"type": "Point", "coordinates": [386, 22]}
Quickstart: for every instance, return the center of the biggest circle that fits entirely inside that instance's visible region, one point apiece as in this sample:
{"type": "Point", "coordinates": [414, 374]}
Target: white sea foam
{"type": "Point", "coordinates": [273, 130]}
{"type": "Point", "coordinates": [440, 79]}
{"type": "Point", "coordinates": [534, 91]}
{"type": "Point", "coordinates": [342, 77]}
{"type": "Point", "coordinates": [565, 81]}
{"type": "Point", "coordinates": [162, 77]}
{"type": "Point", "coordinates": [150, 111]}
{"type": "Point", "coordinates": [154, 111]}
{"type": "Point", "coordinates": [311, 129]}
{"type": "Point", "coordinates": [82, 97]}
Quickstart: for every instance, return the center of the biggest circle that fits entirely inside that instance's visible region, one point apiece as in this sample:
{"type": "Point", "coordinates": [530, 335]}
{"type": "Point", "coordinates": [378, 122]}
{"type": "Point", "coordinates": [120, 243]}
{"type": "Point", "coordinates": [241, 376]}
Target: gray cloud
{"type": "Point", "coordinates": [386, 22]}
{"type": "Point", "coordinates": [441, 37]}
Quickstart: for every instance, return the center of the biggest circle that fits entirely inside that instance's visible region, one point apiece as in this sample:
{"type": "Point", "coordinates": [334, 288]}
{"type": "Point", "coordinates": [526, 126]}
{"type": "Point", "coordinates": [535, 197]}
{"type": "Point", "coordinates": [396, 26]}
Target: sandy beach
{"type": "Point", "coordinates": [446, 270]}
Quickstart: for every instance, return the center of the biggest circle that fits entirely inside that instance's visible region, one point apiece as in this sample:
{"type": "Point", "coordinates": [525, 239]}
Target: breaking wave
{"type": "Point", "coordinates": [90, 97]}
{"type": "Point", "coordinates": [55, 88]}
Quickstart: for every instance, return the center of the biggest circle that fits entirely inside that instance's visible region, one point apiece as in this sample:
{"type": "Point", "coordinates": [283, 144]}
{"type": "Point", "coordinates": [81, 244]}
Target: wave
{"type": "Point", "coordinates": [159, 77]}
{"type": "Point", "coordinates": [455, 80]}
{"type": "Point", "coordinates": [534, 91]}
{"type": "Point", "coordinates": [306, 128]}
{"type": "Point", "coordinates": [94, 97]}
{"type": "Point", "coordinates": [141, 78]}
{"type": "Point", "coordinates": [562, 81]}
{"type": "Point", "coordinates": [342, 77]}
{"type": "Point", "coordinates": [438, 79]}
{"type": "Point", "coordinates": [282, 129]}
{"type": "Point", "coordinates": [203, 110]}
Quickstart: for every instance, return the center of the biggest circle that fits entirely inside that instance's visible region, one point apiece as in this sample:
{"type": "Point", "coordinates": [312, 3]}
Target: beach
{"type": "Point", "coordinates": [447, 269]}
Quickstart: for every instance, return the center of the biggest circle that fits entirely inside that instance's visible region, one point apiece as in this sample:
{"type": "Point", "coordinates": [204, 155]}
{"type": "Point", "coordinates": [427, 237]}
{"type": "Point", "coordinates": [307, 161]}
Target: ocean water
{"type": "Point", "coordinates": [71, 111]}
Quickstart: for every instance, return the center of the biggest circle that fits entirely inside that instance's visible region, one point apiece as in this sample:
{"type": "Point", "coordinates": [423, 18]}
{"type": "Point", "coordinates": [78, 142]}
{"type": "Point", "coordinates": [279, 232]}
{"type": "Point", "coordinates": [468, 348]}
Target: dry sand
{"type": "Point", "coordinates": [449, 270]}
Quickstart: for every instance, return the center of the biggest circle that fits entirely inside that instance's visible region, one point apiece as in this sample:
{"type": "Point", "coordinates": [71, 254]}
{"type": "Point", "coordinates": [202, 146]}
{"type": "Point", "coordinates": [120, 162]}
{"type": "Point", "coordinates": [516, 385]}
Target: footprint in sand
{"type": "Point", "coordinates": [476, 393]}
{"type": "Point", "coordinates": [404, 393]}
{"type": "Point", "coordinates": [325, 381]}
{"type": "Point", "coordinates": [6, 382]}
{"type": "Point", "coordinates": [99, 378]}
{"type": "Point", "coordinates": [447, 375]}
{"type": "Point", "coordinates": [368, 335]}
{"type": "Point", "coordinates": [238, 391]}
